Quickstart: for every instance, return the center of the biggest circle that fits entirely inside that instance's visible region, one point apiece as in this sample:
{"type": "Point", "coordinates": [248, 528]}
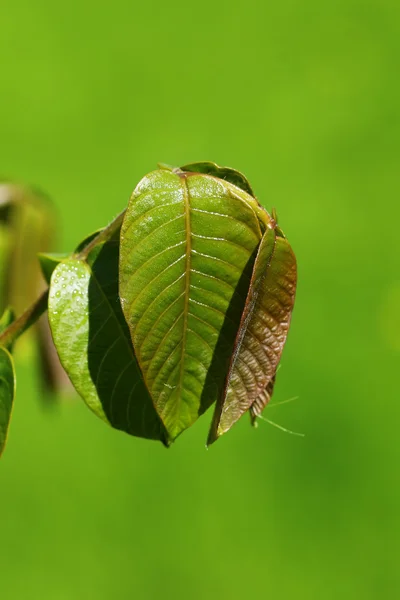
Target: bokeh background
{"type": "Point", "coordinates": [304, 98]}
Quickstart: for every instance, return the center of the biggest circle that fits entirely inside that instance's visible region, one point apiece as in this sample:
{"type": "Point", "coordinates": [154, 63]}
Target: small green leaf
{"type": "Point", "coordinates": [7, 318]}
{"type": "Point", "coordinates": [94, 345]}
{"type": "Point", "coordinates": [7, 393]}
{"type": "Point", "coordinates": [48, 263]}
{"type": "Point", "coordinates": [226, 173]}
{"type": "Point", "coordinates": [262, 334]}
{"type": "Point", "coordinates": [188, 245]}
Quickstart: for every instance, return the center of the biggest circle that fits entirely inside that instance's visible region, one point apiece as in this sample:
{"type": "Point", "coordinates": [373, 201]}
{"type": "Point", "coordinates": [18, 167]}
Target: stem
{"type": "Point", "coordinates": [103, 236]}
{"type": "Point", "coordinates": [32, 314]}
{"type": "Point", "coordinates": [24, 321]}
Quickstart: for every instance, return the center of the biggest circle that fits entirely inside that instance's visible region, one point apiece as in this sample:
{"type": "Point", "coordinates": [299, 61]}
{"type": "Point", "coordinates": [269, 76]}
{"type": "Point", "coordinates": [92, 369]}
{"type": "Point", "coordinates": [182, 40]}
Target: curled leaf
{"type": "Point", "coordinates": [261, 336]}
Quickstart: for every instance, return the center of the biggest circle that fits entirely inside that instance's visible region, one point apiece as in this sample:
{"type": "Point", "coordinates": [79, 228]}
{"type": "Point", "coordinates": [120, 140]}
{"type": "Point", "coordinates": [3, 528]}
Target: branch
{"type": "Point", "coordinates": [32, 314]}
{"type": "Point", "coordinates": [103, 236]}
{"type": "Point", "coordinates": [24, 321]}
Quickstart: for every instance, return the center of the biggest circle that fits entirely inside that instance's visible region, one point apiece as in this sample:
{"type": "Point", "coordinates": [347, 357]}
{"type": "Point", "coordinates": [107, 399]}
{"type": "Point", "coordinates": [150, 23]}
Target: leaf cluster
{"type": "Point", "coordinates": [184, 301]}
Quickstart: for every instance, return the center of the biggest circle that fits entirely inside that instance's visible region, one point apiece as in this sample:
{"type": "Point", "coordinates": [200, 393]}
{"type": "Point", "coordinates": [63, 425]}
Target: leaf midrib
{"type": "Point", "coordinates": [232, 193]}
{"type": "Point", "coordinates": [187, 287]}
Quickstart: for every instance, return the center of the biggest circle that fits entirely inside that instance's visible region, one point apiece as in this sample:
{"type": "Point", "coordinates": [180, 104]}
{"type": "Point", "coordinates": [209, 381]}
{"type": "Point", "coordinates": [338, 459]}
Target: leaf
{"type": "Point", "coordinates": [7, 318]}
{"type": "Point", "coordinates": [262, 334]}
{"type": "Point", "coordinates": [7, 393]}
{"type": "Point", "coordinates": [93, 342]}
{"type": "Point", "coordinates": [31, 223]}
{"type": "Point", "coordinates": [188, 245]}
{"type": "Point", "coordinates": [27, 227]}
{"type": "Point", "coordinates": [262, 400]}
{"type": "Point", "coordinates": [226, 173]}
{"type": "Point", "coordinates": [48, 263]}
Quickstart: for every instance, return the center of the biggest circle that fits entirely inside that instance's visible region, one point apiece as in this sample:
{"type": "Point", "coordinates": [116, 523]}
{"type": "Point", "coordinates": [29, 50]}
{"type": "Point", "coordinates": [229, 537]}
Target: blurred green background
{"type": "Point", "coordinates": [304, 98]}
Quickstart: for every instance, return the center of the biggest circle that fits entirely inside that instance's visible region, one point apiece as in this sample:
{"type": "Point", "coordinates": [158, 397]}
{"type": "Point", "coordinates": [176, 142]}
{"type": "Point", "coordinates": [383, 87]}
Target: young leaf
{"type": "Point", "coordinates": [188, 244]}
{"type": "Point", "coordinates": [225, 173]}
{"type": "Point", "coordinates": [7, 318]}
{"type": "Point", "coordinates": [262, 333]}
{"type": "Point", "coordinates": [7, 393]}
{"type": "Point", "coordinates": [48, 263]}
{"type": "Point", "coordinates": [94, 345]}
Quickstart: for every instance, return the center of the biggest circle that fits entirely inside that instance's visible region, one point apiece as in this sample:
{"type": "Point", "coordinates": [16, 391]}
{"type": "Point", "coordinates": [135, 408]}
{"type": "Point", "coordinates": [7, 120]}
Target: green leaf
{"type": "Point", "coordinates": [7, 318]}
{"type": "Point", "coordinates": [188, 245]}
{"type": "Point", "coordinates": [7, 393]}
{"type": "Point", "coordinates": [94, 345]}
{"type": "Point", "coordinates": [262, 334]}
{"type": "Point", "coordinates": [226, 173]}
{"type": "Point", "coordinates": [48, 263]}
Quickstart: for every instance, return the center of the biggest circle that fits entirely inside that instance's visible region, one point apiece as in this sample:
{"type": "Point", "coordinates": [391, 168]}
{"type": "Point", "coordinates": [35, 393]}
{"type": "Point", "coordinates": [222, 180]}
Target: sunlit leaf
{"type": "Point", "coordinates": [262, 334]}
{"type": "Point", "coordinates": [7, 393]}
{"type": "Point", "coordinates": [93, 342]}
{"type": "Point", "coordinates": [188, 245]}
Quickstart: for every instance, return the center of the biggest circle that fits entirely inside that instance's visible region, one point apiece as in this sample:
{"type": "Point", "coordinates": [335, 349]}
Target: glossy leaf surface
{"type": "Point", "coordinates": [93, 342]}
{"type": "Point", "coordinates": [188, 245]}
{"type": "Point", "coordinates": [261, 336]}
{"type": "Point", "coordinates": [7, 393]}
{"type": "Point", "coordinates": [48, 262]}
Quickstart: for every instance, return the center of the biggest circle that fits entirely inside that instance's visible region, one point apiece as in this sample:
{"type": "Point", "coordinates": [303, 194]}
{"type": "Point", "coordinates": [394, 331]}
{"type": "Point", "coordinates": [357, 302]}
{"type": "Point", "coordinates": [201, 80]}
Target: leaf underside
{"type": "Point", "coordinates": [7, 393]}
{"type": "Point", "coordinates": [225, 173]}
{"type": "Point", "coordinates": [87, 322]}
{"type": "Point", "coordinates": [261, 401]}
{"type": "Point", "coordinates": [188, 245]}
{"type": "Point", "coordinates": [261, 336]}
